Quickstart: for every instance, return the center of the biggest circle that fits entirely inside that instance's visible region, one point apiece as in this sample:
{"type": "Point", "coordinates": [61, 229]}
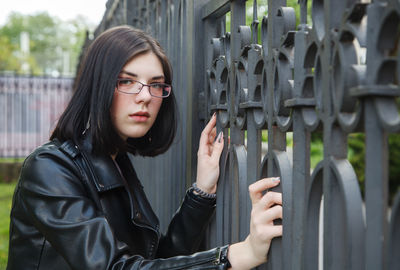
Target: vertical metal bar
{"type": "Point", "coordinates": [303, 11]}
{"type": "Point", "coordinates": [376, 189]}
{"type": "Point", "coordinates": [253, 167]}
{"type": "Point", "coordinates": [276, 139]}
{"type": "Point", "coordinates": [19, 116]}
{"type": "Point", "coordinates": [12, 115]}
{"type": "Point", "coordinates": [273, 42]}
{"type": "Point", "coordinates": [195, 62]}
{"type": "Point", "coordinates": [3, 115]}
{"type": "Point", "coordinates": [253, 135]}
{"type": "Point", "coordinates": [376, 159]}
{"type": "Point", "coordinates": [329, 250]}
{"type": "Point", "coordinates": [301, 157]}
{"type": "Point", "coordinates": [238, 17]}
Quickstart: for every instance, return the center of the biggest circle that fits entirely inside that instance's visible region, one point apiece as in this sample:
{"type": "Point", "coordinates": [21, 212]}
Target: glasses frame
{"type": "Point", "coordinates": [141, 88]}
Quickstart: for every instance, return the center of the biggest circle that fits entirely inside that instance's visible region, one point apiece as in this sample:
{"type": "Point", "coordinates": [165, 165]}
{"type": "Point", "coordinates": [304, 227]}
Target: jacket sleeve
{"type": "Point", "coordinates": [188, 226]}
{"type": "Point", "coordinates": [54, 198]}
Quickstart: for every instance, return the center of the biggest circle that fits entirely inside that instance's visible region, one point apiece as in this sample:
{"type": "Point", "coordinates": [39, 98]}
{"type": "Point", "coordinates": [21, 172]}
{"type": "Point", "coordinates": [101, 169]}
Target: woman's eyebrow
{"type": "Point", "coordinates": [158, 77]}
{"type": "Point", "coordinates": [134, 75]}
{"type": "Point", "coordinates": [129, 73]}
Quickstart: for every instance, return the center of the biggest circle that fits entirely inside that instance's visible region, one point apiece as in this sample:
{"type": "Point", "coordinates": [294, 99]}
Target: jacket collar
{"type": "Point", "coordinates": [105, 174]}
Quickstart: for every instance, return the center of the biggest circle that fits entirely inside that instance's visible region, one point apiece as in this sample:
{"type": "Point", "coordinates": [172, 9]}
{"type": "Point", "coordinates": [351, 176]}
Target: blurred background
{"type": "Point", "coordinates": [44, 37]}
{"type": "Point", "coordinates": [40, 47]}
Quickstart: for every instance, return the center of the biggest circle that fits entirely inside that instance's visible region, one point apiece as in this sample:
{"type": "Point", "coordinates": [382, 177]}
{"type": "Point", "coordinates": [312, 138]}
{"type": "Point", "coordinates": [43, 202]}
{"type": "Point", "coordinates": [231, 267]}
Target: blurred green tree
{"type": "Point", "coordinates": [40, 44]}
{"type": "Point", "coordinates": [7, 61]}
{"type": "Point", "coordinates": [356, 156]}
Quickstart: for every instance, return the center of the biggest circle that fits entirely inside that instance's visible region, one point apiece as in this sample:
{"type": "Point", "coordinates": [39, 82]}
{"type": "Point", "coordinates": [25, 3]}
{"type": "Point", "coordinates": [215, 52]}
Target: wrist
{"type": "Point", "coordinates": [206, 189]}
{"type": "Point", "coordinates": [254, 252]}
{"type": "Point", "coordinates": [242, 256]}
{"type": "Point", "coordinates": [200, 192]}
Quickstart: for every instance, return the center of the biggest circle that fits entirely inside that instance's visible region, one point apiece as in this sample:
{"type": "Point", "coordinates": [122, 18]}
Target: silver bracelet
{"type": "Point", "coordinates": [203, 193]}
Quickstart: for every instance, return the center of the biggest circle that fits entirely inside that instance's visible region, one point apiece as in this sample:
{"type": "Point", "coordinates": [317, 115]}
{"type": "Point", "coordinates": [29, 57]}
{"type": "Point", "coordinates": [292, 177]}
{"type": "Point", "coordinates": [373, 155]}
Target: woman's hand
{"type": "Point", "coordinates": [210, 150]}
{"type": "Point", "coordinates": [265, 209]}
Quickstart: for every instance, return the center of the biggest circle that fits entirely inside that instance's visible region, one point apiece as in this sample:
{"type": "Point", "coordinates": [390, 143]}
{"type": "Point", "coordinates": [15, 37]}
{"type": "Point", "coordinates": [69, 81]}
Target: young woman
{"type": "Point", "coordinates": [79, 203]}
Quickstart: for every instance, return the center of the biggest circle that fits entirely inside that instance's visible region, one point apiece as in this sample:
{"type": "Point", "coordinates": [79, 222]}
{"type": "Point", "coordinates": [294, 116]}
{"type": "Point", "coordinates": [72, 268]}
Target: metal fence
{"type": "Point", "coordinates": [336, 75]}
{"type": "Point", "coordinates": [29, 109]}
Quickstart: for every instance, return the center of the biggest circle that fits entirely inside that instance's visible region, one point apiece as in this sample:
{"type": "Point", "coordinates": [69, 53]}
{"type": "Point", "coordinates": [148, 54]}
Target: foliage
{"type": "Point", "coordinates": [6, 192]}
{"type": "Point", "coordinates": [262, 11]}
{"type": "Point", "coordinates": [356, 156]}
{"type": "Point", "coordinates": [394, 165]}
{"type": "Point", "coordinates": [357, 159]}
{"type": "Point", "coordinates": [6, 59]}
{"type": "Point", "coordinates": [317, 149]}
{"type": "Point", "coordinates": [53, 46]}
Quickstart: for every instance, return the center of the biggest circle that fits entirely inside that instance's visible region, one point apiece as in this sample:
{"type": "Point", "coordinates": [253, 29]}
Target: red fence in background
{"type": "Point", "coordinates": [29, 110]}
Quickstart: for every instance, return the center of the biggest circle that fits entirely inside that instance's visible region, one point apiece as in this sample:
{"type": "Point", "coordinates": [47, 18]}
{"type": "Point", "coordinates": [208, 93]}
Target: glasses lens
{"type": "Point", "coordinates": [160, 89]}
{"type": "Point", "coordinates": [129, 86]}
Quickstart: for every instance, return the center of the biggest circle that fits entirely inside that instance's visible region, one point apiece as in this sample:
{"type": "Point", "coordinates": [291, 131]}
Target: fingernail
{"type": "Point", "coordinates": [214, 114]}
{"type": "Point", "coordinates": [276, 179]}
{"type": "Point", "coordinates": [220, 136]}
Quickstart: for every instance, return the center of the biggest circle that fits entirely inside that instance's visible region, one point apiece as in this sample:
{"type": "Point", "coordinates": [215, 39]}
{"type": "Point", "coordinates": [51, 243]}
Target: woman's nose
{"type": "Point", "coordinates": [144, 94]}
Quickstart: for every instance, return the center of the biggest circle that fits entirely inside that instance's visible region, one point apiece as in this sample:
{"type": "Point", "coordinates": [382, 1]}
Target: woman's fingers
{"type": "Point", "coordinates": [205, 135]}
{"type": "Point", "coordinates": [218, 147]}
{"type": "Point", "coordinates": [268, 216]}
{"type": "Point", "coordinates": [210, 125]}
{"type": "Point", "coordinates": [275, 231]}
{"type": "Point", "coordinates": [211, 139]}
{"type": "Point", "coordinates": [269, 199]}
{"type": "Point", "coordinates": [262, 222]}
{"type": "Point", "coordinates": [265, 209]}
{"type": "Point", "coordinates": [256, 189]}
{"type": "Point", "coordinates": [211, 136]}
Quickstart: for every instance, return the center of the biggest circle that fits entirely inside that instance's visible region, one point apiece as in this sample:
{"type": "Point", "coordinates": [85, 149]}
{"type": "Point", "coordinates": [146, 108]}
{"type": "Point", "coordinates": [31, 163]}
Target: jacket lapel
{"type": "Point", "coordinates": [143, 207]}
{"type": "Point", "coordinates": [107, 176]}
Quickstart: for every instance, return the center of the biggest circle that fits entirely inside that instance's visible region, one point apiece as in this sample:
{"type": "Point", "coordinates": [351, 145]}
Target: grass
{"type": "Point", "coordinates": [6, 193]}
{"type": "Point", "coordinates": [12, 160]}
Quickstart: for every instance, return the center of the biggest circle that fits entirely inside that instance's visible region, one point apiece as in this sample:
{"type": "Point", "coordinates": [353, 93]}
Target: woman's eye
{"type": "Point", "coordinates": [125, 82]}
{"type": "Point", "coordinates": [157, 85]}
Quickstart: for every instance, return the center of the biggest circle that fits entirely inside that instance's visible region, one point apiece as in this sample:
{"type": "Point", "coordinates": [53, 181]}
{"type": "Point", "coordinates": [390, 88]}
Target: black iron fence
{"type": "Point", "coordinates": [336, 77]}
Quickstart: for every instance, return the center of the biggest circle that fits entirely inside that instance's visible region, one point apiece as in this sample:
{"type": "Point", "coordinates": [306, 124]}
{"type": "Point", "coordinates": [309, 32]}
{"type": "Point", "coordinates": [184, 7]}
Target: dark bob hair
{"type": "Point", "coordinates": [93, 94]}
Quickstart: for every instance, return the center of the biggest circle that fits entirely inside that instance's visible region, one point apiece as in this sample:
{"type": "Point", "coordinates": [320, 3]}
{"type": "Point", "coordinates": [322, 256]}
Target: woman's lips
{"type": "Point", "coordinates": [140, 116]}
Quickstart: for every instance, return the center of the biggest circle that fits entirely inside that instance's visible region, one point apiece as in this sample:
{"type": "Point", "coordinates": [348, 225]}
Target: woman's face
{"type": "Point", "coordinates": [134, 114]}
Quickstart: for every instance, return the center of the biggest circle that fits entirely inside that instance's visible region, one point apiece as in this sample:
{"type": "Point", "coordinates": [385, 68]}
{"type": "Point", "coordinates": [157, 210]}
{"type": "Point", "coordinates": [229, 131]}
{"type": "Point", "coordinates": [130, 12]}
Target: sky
{"type": "Point", "coordinates": [63, 9]}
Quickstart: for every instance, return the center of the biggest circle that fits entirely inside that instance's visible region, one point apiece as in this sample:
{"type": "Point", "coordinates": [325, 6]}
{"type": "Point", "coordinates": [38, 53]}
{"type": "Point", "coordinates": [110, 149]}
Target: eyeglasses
{"type": "Point", "coordinates": [130, 86]}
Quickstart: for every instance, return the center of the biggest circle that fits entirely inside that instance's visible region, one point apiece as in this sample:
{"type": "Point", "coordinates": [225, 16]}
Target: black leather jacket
{"type": "Point", "coordinates": [74, 210]}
